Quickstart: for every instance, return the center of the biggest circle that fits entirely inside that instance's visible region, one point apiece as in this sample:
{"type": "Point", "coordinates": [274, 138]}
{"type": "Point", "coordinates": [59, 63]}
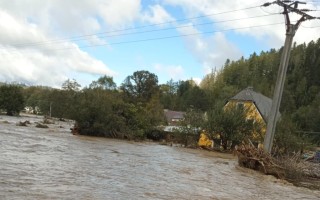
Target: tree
{"type": "Point", "coordinates": [140, 86]}
{"type": "Point", "coordinates": [193, 121]}
{"type": "Point", "coordinates": [191, 96]}
{"type": "Point", "coordinates": [104, 82]}
{"type": "Point", "coordinates": [300, 101]}
{"type": "Point", "coordinates": [95, 115]}
{"type": "Point", "coordinates": [71, 85]}
{"type": "Point", "coordinates": [168, 95]}
{"type": "Point", "coordinates": [11, 99]}
{"type": "Point", "coordinates": [154, 112]}
{"type": "Point", "coordinates": [287, 139]}
{"type": "Point", "coordinates": [35, 97]}
{"type": "Point", "coordinates": [230, 124]}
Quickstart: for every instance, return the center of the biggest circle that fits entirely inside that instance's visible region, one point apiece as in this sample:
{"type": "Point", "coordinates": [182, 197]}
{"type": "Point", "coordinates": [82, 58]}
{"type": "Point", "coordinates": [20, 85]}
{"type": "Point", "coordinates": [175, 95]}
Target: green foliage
{"type": "Point", "coordinates": [71, 85]}
{"type": "Point", "coordinates": [168, 95]}
{"type": "Point", "coordinates": [140, 86]}
{"type": "Point", "coordinates": [11, 99]}
{"type": "Point", "coordinates": [230, 124]}
{"type": "Point", "coordinates": [183, 95]}
{"type": "Point", "coordinates": [154, 112]}
{"type": "Point", "coordinates": [301, 91]}
{"type": "Point", "coordinates": [95, 114]}
{"type": "Point", "coordinates": [193, 122]}
{"type": "Point", "coordinates": [287, 139]}
{"type": "Point", "coordinates": [307, 118]}
{"type": "Point", "coordinates": [33, 96]}
{"type": "Point", "coordinates": [138, 108]}
{"type": "Point", "coordinates": [102, 111]}
{"type": "Point", "coordinates": [104, 82]}
{"type": "Point", "coordinates": [189, 95]}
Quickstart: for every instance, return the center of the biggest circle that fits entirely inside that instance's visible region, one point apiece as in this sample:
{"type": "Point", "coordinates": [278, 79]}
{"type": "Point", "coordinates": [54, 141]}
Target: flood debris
{"type": "Point", "coordinates": [62, 120]}
{"type": "Point", "coordinates": [23, 123]}
{"type": "Point", "coordinates": [39, 125]}
{"type": "Point", "coordinates": [75, 129]}
{"type": "Point", "coordinates": [48, 121]}
{"type": "Point", "coordinates": [289, 167]}
{"type": "Point", "coordinates": [255, 158]}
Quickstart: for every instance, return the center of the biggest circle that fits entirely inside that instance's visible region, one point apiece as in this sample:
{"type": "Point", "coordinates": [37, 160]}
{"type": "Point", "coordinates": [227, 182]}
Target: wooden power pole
{"type": "Point", "coordinates": [291, 29]}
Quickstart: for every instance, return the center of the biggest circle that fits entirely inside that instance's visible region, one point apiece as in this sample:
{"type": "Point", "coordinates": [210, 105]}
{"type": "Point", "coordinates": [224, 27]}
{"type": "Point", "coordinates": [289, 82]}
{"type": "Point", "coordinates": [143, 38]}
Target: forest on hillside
{"type": "Point", "coordinates": [134, 108]}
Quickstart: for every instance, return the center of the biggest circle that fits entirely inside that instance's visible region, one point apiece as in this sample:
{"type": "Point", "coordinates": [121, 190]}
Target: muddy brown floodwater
{"type": "Point", "coordinates": [53, 164]}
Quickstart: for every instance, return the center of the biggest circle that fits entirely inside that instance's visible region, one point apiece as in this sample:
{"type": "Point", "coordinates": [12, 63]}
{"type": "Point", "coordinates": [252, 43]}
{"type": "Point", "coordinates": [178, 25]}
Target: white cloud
{"type": "Point", "coordinates": [32, 22]}
{"type": "Point", "coordinates": [175, 72]}
{"type": "Point", "coordinates": [40, 64]}
{"type": "Point", "coordinates": [29, 50]}
{"type": "Point", "coordinates": [118, 12]}
{"type": "Point", "coordinates": [95, 40]}
{"type": "Point", "coordinates": [214, 50]}
{"type": "Point", "coordinates": [210, 51]}
{"type": "Point", "coordinates": [197, 80]}
{"type": "Point", "coordinates": [273, 36]}
{"type": "Point", "coordinates": [75, 16]}
{"type": "Point", "coordinates": [157, 15]}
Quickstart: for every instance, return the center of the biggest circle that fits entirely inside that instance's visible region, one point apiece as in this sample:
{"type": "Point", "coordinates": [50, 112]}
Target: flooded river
{"type": "Point", "coordinates": [53, 164]}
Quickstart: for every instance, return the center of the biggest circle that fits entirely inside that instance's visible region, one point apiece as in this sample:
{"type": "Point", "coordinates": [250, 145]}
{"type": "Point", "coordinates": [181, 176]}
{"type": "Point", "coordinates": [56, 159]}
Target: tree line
{"type": "Point", "coordinates": [134, 108]}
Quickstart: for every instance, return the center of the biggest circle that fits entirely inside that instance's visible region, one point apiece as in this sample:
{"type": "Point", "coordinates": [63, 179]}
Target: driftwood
{"type": "Point", "coordinates": [289, 167]}
{"type": "Point", "coordinates": [257, 159]}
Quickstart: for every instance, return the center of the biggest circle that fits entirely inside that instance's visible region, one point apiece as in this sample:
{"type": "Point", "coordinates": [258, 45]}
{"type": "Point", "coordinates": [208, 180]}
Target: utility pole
{"type": "Point", "coordinates": [291, 29]}
{"type": "Point", "coordinates": [50, 108]}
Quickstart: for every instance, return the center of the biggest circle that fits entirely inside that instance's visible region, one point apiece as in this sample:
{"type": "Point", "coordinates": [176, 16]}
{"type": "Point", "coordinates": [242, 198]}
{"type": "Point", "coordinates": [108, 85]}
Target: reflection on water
{"type": "Point", "coordinates": [53, 164]}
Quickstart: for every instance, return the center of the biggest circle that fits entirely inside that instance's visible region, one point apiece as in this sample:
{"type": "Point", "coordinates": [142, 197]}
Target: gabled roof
{"type": "Point", "coordinates": [262, 102]}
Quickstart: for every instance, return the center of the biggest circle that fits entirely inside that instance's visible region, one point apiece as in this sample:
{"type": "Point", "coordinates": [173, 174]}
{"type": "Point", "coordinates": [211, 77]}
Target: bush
{"type": "Point", "coordinates": [230, 124]}
{"type": "Point", "coordinates": [156, 134]}
{"type": "Point", "coordinates": [287, 140]}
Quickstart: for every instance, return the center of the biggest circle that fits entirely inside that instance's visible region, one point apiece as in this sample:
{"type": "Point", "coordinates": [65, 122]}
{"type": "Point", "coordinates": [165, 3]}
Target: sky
{"type": "Point", "coordinates": [47, 42]}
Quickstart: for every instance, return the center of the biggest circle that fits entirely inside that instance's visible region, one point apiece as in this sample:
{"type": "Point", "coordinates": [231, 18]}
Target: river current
{"type": "Point", "coordinates": [54, 164]}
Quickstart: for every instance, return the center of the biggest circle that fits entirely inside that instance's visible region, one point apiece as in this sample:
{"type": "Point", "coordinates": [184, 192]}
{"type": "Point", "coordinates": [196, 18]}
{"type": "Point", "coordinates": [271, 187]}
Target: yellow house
{"type": "Point", "coordinates": [257, 107]}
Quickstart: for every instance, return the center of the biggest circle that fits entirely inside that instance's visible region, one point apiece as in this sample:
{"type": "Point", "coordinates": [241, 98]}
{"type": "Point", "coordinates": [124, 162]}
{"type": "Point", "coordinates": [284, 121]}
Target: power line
{"type": "Point", "coordinates": [310, 26]}
{"type": "Point", "coordinates": [163, 38]}
{"type": "Point", "coordinates": [149, 31]}
{"type": "Point", "coordinates": [141, 27]}
{"type": "Point", "coordinates": [184, 35]}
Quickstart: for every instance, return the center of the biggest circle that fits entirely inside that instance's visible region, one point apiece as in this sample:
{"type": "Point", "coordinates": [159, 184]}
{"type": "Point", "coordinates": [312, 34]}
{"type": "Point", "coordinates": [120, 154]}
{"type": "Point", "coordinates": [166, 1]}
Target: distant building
{"type": "Point", "coordinates": [173, 117]}
{"type": "Point", "coordinates": [31, 110]}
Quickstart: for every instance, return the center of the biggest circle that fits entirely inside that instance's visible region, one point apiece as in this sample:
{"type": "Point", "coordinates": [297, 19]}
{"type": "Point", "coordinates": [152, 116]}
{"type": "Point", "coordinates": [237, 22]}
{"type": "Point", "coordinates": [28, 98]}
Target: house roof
{"type": "Point", "coordinates": [262, 102]}
{"type": "Point", "coordinates": [170, 114]}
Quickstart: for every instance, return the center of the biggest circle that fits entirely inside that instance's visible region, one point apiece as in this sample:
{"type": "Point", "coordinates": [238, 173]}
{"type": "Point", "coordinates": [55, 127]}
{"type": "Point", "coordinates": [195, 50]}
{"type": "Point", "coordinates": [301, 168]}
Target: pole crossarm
{"type": "Point", "coordinates": [294, 9]}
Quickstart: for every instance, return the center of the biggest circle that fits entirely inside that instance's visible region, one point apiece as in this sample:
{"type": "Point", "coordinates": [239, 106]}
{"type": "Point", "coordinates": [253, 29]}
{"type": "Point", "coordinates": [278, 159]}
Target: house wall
{"type": "Point", "coordinates": [252, 113]}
